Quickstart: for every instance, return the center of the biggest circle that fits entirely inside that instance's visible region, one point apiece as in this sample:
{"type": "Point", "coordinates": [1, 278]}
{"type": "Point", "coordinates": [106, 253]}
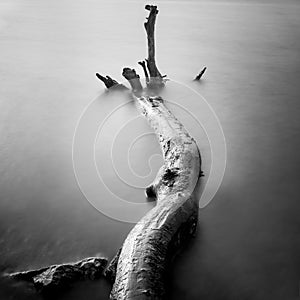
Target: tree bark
{"type": "Point", "coordinates": [146, 251]}
{"type": "Point", "coordinates": [139, 269]}
{"type": "Point", "coordinates": [143, 65]}
{"type": "Point", "coordinates": [143, 260]}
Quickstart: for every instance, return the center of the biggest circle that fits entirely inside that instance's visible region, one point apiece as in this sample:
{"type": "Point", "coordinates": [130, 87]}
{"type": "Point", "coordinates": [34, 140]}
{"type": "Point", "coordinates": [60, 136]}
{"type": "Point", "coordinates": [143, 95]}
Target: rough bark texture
{"type": "Point", "coordinates": [145, 253]}
{"type": "Point", "coordinates": [57, 277]}
{"type": "Point", "coordinates": [139, 268]}
{"type": "Point", "coordinates": [134, 80]}
{"type": "Point", "coordinates": [111, 269]}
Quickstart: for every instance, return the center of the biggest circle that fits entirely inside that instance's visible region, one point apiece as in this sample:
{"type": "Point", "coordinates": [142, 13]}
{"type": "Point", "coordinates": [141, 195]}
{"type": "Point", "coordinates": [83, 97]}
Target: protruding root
{"type": "Point", "coordinates": [110, 83]}
{"type": "Point", "coordinates": [143, 64]}
{"type": "Point", "coordinates": [147, 250]}
{"type": "Point", "coordinates": [59, 277]}
{"type": "Point", "coordinates": [198, 77]}
{"type": "Point", "coordinates": [156, 79]}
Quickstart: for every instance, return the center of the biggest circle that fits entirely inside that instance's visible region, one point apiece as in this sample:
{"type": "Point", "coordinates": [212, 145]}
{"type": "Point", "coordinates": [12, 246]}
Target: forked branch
{"type": "Point", "coordinates": [149, 247]}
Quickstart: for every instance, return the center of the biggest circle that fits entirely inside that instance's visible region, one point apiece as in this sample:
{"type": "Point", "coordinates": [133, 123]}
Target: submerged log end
{"type": "Point", "coordinates": [151, 8]}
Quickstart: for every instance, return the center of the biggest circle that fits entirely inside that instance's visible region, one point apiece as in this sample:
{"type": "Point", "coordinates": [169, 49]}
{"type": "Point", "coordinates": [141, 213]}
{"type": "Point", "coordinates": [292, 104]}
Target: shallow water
{"type": "Point", "coordinates": [247, 246]}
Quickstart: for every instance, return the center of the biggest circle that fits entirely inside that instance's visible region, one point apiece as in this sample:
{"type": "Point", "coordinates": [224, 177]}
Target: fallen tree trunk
{"type": "Point", "coordinates": [139, 269]}
{"type": "Point", "coordinates": [145, 253]}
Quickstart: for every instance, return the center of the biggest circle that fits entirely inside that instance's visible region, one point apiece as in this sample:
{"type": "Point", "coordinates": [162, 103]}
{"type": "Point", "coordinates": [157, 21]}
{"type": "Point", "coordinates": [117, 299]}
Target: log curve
{"type": "Point", "coordinates": [139, 269]}
{"type": "Point", "coordinates": [147, 249]}
{"type": "Point", "coordinates": [142, 263]}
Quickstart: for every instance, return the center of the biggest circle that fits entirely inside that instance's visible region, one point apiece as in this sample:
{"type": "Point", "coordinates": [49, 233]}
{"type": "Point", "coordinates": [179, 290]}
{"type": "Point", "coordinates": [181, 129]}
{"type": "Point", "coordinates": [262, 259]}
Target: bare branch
{"type": "Point", "coordinates": [155, 76]}
{"type": "Point", "coordinates": [111, 83]}
{"type": "Point", "coordinates": [198, 77]}
{"type": "Point", "coordinates": [108, 81]}
{"type": "Point", "coordinates": [143, 64]}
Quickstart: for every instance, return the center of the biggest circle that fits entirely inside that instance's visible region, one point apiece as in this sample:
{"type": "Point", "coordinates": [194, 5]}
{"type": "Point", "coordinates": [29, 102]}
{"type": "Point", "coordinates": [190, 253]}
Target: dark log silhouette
{"type": "Point", "coordinates": [110, 83]}
{"type": "Point", "coordinates": [156, 79]}
{"type": "Point", "coordinates": [198, 77]}
{"type": "Point", "coordinates": [143, 64]}
{"type": "Point", "coordinates": [150, 26]}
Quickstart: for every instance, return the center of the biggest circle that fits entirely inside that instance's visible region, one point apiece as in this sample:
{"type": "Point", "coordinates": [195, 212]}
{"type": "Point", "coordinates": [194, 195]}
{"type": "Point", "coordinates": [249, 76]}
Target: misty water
{"type": "Point", "coordinates": [247, 246]}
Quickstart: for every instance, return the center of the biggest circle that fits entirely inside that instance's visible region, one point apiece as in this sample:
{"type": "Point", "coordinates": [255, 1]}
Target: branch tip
{"type": "Point", "coordinates": [198, 77]}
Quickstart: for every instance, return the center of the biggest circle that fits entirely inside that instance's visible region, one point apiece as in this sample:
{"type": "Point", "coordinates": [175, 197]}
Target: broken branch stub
{"type": "Point", "coordinates": [110, 83]}
{"type": "Point", "coordinates": [134, 80]}
{"type": "Point", "coordinates": [199, 76]}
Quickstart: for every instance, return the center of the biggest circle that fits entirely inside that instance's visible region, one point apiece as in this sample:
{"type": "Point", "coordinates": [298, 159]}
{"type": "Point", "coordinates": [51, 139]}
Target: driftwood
{"type": "Point", "coordinates": [58, 277]}
{"type": "Point", "coordinates": [199, 76]}
{"type": "Point", "coordinates": [143, 261]}
{"type": "Point", "coordinates": [111, 83]}
{"type": "Point", "coordinates": [146, 251]}
{"type": "Point", "coordinates": [138, 271]}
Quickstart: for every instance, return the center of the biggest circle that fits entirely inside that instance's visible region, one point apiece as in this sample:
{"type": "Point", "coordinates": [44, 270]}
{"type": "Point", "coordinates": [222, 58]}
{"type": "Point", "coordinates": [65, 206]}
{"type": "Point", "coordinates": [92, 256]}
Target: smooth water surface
{"type": "Point", "coordinates": [247, 245]}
